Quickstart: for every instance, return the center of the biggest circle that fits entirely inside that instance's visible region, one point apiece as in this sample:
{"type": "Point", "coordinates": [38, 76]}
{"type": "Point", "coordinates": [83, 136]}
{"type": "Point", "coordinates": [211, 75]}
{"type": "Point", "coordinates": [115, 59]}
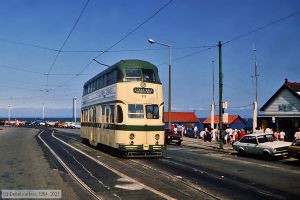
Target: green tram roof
{"type": "Point", "coordinates": [125, 64]}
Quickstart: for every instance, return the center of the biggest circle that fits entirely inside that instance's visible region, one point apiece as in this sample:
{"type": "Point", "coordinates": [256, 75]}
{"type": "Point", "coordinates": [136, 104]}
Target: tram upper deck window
{"type": "Point", "coordinates": [135, 111]}
{"type": "Point", "coordinates": [152, 112]}
{"type": "Point", "coordinates": [149, 75]}
{"type": "Point", "coordinates": [133, 75]}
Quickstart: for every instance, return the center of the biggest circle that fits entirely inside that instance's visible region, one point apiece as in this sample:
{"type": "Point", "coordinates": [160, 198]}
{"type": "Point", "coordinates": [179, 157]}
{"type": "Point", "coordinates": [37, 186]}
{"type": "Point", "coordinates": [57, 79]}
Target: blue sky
{"type": "Point", "coordinates": [182, 24]}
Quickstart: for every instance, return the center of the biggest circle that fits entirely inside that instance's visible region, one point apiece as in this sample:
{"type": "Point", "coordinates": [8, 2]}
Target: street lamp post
{"type": "Point", "coordinates": [74, 108]}
{"type": "Point", "coordinates": [9, 107]}
{"type": "Point", "coordinates": [151, 41]}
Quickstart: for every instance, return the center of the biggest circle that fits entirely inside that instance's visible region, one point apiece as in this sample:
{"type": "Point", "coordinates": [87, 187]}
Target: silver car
{"type": "Point", "coordinates": [261, 144]}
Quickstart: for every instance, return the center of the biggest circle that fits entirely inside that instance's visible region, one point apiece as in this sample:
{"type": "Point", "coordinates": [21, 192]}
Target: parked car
{"type": "Point", "coordinates": [261, 144]}
{"type": "Point", "coordinates": [294, 149]}
{"type": "Point", "coordinates": [75, 125]}
{"type": "Point", "coordinates": [59, 124]}
{"type": "Point", "coordinates": [171, 137]}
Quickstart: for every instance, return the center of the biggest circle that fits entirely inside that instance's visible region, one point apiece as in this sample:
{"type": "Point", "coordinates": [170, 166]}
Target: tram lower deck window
{"type": "Point", "coordinates": [135, 111]}
{"type": "Point", "coordinates": [152, 112]}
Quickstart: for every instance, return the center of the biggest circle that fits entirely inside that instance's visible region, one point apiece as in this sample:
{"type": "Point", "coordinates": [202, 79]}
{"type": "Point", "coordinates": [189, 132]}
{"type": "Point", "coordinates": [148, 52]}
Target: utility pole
{"type": "Point", "coordinates": [255, 104]}
{"type": "Point", "coordinates": [170, 90]}
{"type": "Point", "coordinates": [212, 123]}
{"type": "Point", "coordinates": [220, 95]}
{"type": "Point", "coordinates": [74, 108]}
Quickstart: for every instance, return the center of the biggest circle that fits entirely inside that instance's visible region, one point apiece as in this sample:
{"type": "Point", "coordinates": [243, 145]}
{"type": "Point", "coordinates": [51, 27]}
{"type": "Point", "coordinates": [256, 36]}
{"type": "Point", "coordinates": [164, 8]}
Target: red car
{"type": "Point", "coordinates": [171, 137]}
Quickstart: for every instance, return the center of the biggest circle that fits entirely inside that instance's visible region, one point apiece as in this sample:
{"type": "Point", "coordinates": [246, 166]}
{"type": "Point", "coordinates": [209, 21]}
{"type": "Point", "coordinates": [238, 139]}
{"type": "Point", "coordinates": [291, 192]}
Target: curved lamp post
{"type": "Point", "coordinates": [152, 41]}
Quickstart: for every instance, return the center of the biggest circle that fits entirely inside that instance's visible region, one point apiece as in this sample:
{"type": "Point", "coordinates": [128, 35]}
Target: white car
{"type": "Point", "coordinates": [75, 125]}
{"type": "Point", "coordinates": [261, 144]}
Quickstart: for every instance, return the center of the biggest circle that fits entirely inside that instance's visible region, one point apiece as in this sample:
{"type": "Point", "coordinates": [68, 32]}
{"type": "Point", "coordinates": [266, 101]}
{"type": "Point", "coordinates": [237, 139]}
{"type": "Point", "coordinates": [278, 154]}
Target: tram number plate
{"type": "Point", "coordinates": [143, 90]}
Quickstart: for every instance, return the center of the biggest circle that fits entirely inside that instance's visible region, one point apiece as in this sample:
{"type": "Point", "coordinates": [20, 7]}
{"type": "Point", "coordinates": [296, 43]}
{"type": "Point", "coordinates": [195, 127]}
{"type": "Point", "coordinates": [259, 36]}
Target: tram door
{"type": "Point", "coordinates": [93, 120]}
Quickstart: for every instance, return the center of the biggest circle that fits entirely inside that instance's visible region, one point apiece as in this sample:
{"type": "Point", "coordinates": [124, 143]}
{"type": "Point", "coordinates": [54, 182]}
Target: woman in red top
{"type": "Point", "coordinates": [276, 135]}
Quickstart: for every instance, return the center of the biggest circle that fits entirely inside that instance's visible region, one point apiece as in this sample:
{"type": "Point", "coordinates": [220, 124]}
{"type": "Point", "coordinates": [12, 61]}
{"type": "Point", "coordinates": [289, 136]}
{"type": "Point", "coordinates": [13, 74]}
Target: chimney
{"type": "Point", "coordinates": [285, 80]}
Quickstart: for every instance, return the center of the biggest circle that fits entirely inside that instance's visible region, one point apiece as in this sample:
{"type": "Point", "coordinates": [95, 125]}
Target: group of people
{"type": "Point", "coordinates": [231, 135]}
{"type": "Point", "coordinates": [178, 129]}
{"type": "Point", "coordinates": [278, 135]}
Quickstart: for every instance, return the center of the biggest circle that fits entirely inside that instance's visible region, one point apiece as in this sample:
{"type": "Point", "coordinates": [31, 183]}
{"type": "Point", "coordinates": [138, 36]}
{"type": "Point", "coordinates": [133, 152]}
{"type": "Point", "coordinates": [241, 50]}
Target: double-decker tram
{"type": "Point", "coordinates": [122, 107]}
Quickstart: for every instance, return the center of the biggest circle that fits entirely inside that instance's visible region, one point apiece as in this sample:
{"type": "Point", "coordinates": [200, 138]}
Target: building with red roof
{"type": "Point", "coordinates": [187, 118]}
{"type": "Point", "coordinates": [282, 110]}
{"type": "Point", "coordinates": [234, 121]}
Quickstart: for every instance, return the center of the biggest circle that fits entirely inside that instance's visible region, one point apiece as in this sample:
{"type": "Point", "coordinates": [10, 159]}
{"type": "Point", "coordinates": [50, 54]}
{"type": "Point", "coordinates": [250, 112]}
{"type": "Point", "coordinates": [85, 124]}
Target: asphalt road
{"type": "Point", "coordinates": [24, 166]}
{"type": "Point", "coordinates": [216, 174]}
{"type": "Point", "coordinates": [183, 172]}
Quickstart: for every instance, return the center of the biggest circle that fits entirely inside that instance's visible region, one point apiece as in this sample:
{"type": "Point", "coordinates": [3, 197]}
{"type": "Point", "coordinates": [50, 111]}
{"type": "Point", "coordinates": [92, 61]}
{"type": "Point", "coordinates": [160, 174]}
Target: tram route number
{"type": "Point", "coordinates": [143, 90]}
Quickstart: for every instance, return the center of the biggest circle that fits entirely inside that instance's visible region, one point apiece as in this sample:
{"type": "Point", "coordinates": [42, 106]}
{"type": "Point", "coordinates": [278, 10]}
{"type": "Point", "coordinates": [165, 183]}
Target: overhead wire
{"type": "Point", "coordinates": [28, 44]}
{"type": "Point", "coordinates": [190, 54]}
{"type": "Point", "coordinates": [132, 50]}
{"type": "Point", "coordinates": [65, 41]}
{"type": "Point", "coordinates": [119, 41]}
{"type": "Point", "coordinates": [20, 69]}
{"type": "Point", "coordinates": [262, 27]}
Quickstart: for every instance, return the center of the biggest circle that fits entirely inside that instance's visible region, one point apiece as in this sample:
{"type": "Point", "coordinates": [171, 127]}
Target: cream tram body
{"type": "Point", "coordinates": [122, 107]}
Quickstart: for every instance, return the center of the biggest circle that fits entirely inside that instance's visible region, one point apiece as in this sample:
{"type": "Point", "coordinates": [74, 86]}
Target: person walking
{"type": "Point", "coordinates": [297, 134]}
{"type": "Point", "coordinates": [282, 135]}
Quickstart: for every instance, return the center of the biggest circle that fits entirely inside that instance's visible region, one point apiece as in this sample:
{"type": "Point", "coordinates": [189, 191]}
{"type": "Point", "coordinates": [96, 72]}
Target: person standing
{"type": "Point", "coordinates": [242, 133]}
{"type": "Point", "coordinates": [182, 131]}
{"type": "Point", "coordinates": [179, 129]}
{"type": "Point", "coordinates": [235, 136]}
{"type": "Point", "coordinates": [195, 131]}
{"type": "Point", "coordinates": [276, 135]}
{"type": "Point", "coordinates": [213, 135]}
{"type": "Point", "coordinates": [175, 129]}
{"type": "Point", "coordinates": [297, 134]}
{"type": "Point", "coordinates": [282, 135]}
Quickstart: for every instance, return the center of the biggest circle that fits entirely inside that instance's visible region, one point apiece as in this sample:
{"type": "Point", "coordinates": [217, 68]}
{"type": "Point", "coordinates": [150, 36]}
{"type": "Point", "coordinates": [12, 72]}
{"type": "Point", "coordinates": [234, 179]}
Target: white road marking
{"type": "Point", "coordinates": [115, 171]}
{"type": "Point", "coordinates": [69, 170]}
{"type": "Point", "coordinates": [177, 178]}
{"type": "Point", "coordinates": [130, 186]}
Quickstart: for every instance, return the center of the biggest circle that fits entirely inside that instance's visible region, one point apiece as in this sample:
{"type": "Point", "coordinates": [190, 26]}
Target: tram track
{"type": "Point", "coordinates": [82, 184]}
{"type": "Point", "coordinates": [117, 186]}
{"type": "Point", "coordinates": [162, 180]}
{"type": "Point", "coordinates": [177, 173]}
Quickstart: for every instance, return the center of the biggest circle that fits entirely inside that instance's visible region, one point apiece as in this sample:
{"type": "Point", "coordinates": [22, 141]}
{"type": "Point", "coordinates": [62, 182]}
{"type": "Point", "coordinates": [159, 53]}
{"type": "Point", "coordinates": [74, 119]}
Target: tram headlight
{"type": "Point", "coordinates": [157, 136]}
{"type": "Point", "coordinates": [131, 136]}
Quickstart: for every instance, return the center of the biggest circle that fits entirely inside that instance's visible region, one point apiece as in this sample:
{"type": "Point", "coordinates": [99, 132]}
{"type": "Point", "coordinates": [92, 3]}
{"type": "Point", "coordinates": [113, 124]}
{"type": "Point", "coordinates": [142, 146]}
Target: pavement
{"type": "Point", "coordinates": [199, 143]}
